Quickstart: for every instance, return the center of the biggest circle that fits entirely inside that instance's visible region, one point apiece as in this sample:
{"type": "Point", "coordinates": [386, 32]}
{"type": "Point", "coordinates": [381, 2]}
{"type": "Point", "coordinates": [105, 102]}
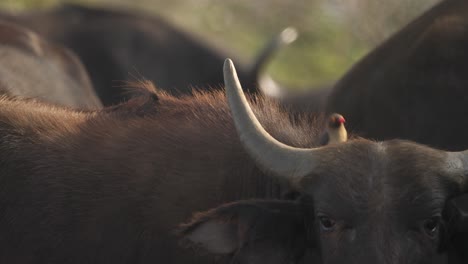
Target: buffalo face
{"type": "Point", "coordinates": [366, 202]}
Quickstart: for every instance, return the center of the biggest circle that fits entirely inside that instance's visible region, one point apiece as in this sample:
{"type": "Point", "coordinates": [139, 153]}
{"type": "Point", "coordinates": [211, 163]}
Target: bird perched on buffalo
{"type": "Point", "coordinates": [335, 130]}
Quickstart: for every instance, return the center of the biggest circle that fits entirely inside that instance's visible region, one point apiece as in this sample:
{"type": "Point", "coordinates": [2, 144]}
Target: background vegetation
{"type": "Point", "coordinates": [333, 33]}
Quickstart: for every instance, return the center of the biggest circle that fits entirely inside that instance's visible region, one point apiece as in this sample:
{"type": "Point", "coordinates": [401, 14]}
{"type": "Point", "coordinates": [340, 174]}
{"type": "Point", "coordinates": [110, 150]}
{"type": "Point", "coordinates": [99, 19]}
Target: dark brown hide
{"type": "Point", "coordinates": [31, 67]}
{"type": "Point", "coordinates": [414, 85]}
{"type": "Point", "coordinates": [109, 187]}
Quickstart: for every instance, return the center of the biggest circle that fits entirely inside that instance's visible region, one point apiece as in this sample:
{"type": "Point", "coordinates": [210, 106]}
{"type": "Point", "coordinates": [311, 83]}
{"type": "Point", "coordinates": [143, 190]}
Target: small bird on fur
{"type": "Point", "coordinates": [335, 131]}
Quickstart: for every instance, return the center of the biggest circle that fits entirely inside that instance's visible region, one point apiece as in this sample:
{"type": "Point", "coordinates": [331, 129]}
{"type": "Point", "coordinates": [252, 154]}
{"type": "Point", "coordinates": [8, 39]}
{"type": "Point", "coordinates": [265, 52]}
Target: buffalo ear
{"type": "Point", "coordinates": [253, 231]}
{"type": "Point", "coordinates": [218, 236]}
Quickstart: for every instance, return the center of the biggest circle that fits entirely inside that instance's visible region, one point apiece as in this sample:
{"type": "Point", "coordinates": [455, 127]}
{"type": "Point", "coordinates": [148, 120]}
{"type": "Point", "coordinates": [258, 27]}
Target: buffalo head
{"type": "Point", "coordinates": [360, 201]}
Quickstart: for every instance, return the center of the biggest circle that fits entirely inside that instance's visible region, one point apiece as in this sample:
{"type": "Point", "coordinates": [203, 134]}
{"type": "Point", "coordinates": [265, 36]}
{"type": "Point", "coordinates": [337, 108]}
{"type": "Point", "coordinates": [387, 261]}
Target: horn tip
{"type": "Point", "coordinates": [228, 64]}
{"type": "Point", "coordinates": [289, 35]}
{"type": "Point", "coordinates": [229, 67]}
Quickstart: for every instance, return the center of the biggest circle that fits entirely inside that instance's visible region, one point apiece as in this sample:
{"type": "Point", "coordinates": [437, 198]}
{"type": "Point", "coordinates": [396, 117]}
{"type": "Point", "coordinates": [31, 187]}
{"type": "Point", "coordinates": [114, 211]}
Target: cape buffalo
{"type": "Point", "coordinates": [33, 67]}
{"type": "Point", "coordinates": [110, 186]}
{"type": "Point", "coordinates": [114, 44]}
{"type": "Point", "coordinates": [358, 202]}
{"type": "Point", "coordinates": [414, 85]}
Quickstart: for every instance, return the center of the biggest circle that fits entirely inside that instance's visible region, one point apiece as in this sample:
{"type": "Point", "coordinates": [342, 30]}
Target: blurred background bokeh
{"type": "Point", "coordinates": [334, 34]}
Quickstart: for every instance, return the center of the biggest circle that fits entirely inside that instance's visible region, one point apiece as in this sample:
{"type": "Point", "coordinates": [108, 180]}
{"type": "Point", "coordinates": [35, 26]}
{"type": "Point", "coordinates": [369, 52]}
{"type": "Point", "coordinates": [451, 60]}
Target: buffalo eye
{"type": "Point", "coordinates": [431, 226]}
{"type": "Point", "coordinates": [326, 223]}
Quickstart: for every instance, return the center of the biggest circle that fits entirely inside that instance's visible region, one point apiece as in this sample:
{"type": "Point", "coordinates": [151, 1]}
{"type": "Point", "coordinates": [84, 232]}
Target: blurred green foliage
{"type": "Point", "coordinates": [334, 34]}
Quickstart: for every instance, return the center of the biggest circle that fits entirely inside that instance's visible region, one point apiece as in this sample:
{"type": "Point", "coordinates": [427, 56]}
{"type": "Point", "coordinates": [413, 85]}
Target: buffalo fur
{"type": "Point", "coordinates": [108, 187]}
{"type": "Point", "coordinates": [112, 186]}
{"type": "Point", "coordinates": [143, 97]}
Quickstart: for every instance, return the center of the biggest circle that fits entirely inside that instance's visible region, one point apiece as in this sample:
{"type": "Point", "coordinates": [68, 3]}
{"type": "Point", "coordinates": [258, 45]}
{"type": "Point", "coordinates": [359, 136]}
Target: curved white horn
{"type": "Point", "coordinates": [270, 154]}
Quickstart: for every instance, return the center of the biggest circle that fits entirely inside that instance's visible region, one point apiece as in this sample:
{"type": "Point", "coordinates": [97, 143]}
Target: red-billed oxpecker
{"type": "Point", "coordinates": [335, 130]}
